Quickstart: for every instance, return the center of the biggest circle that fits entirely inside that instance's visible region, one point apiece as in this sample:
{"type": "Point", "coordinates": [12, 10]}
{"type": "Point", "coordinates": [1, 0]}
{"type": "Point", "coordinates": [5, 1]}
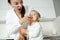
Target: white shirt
{"type": "Point", "coordinates": [13, 25]}
{"type": "Point", "coordinates": [35, 32]}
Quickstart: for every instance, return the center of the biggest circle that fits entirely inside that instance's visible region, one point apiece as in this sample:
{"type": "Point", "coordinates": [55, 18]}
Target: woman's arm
{"type": "Point", "coordinates": [24, 20]}
{"type": "Point", "coordinates": [19, 25]}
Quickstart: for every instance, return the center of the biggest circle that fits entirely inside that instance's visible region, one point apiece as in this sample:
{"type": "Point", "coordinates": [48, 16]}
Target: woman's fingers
{"type": "Point", "coordinates": [24, 20]}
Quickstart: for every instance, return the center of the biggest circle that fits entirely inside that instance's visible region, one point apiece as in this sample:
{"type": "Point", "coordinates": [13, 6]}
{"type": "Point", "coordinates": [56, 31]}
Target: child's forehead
{"type": "Point", "coordinates": [33, 12]}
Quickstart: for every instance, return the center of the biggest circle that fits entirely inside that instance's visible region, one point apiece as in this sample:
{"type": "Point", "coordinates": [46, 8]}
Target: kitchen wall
{"type": "Point", "coordinates": [45, 7]}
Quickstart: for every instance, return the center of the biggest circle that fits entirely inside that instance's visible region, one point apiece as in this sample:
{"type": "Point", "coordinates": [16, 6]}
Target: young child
{"type": "Point", "coordinates": [34, 30]}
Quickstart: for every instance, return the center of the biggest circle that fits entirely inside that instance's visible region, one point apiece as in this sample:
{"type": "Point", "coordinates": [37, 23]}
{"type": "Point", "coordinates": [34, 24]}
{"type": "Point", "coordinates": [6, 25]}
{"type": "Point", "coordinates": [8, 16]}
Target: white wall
{"type": "Point", "coordinates": [4, 6]}
{"type": "Point", "coordinates": [45, 7]}
{"type": "Point", "coordinates": [3, 9]}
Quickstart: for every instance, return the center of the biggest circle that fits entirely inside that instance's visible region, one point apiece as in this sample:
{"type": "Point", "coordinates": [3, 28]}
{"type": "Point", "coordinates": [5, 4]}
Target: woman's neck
{"type": "Point", "coordinates": [18, 14]}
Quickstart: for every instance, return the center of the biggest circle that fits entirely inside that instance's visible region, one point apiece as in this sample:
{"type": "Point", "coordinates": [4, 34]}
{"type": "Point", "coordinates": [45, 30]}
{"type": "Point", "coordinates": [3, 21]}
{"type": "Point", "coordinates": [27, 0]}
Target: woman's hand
{"type": "Point", "coordinates": [24, 20]}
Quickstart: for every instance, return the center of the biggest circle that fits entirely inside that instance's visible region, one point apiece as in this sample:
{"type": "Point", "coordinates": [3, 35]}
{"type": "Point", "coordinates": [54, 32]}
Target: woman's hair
{"type": "Point", "coordinates": [23, 11]}
{"type": "Point", "coordinates": [9, 1]}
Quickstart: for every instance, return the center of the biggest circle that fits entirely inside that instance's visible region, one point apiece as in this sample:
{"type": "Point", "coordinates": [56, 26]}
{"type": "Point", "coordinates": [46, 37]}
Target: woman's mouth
{"type": "Point", "coordinates": [19, 10]}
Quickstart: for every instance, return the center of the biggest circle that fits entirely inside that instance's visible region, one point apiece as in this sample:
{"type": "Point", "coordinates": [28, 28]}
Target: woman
{"type": "Point", "coordinates": [15, 18]}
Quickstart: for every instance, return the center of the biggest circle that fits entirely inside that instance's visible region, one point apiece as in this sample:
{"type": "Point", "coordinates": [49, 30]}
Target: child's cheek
{"type": "Point", "coordinates": [34, 18]}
